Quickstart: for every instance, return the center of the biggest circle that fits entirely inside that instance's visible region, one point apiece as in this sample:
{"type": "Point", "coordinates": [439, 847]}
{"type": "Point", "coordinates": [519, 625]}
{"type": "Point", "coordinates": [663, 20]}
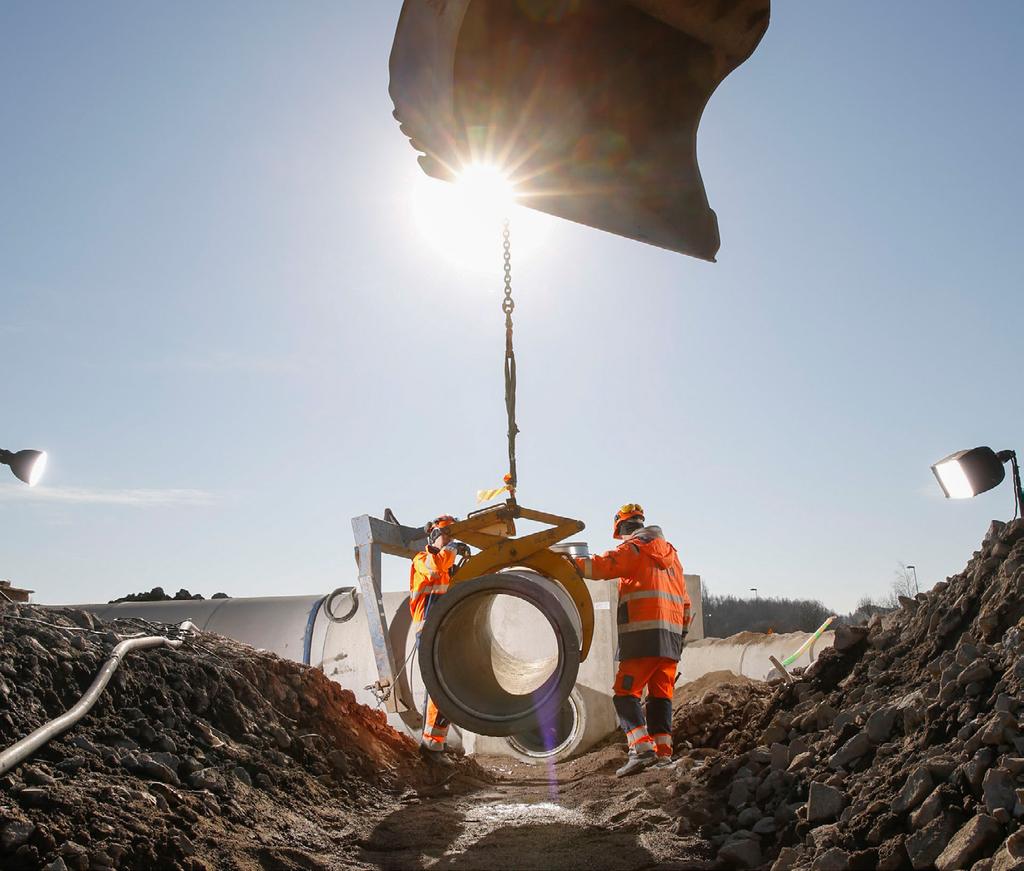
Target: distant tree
{"type": "Point", "coordinates": [726, 615]}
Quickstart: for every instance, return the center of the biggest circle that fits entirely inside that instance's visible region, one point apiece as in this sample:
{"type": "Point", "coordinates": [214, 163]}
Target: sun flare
{"type": "Point", "coordinates": [463, 220]}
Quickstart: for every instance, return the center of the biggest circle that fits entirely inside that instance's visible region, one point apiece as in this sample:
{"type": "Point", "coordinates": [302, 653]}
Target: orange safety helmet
{"type": "Point", "coordinates": [627, 512]}
{"type": "Point", "coordinates": [435, 526]}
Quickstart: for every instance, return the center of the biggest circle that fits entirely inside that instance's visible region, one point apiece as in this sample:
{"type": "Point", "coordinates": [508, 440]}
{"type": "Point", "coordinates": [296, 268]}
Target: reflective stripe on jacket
{"type": "Point", "coordinates": [654, 609]}
{"type": "Point", "coordinates": [429, 575]}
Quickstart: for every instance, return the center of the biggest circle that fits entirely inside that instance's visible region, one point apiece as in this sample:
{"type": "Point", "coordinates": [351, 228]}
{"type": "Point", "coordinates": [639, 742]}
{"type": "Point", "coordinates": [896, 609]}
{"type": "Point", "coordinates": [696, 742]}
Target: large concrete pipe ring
{"type": "Point", "coordinates": [500, 654]}
{"type": "Point", "coordinates": [557, 737]}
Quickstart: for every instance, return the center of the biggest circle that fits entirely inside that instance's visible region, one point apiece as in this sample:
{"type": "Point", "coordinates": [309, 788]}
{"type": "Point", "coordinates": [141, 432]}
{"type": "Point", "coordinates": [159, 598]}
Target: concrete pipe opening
{"type": "Point", "coordinates": [500, 654]}
{"type": "Point", "coordinates": [555, 737]}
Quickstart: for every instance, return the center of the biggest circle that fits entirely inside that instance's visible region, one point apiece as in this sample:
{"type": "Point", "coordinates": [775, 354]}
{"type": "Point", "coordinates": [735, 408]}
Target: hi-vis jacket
{"type": "Point", "coordinates": [429, 576]}
{"type": "Point", "coordinates": [654, 609]}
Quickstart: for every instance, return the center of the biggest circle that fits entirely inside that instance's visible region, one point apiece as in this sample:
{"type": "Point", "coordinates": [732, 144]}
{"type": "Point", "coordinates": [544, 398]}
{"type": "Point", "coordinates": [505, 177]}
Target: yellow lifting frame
{"type": "Point", "coordinates": [492, 531]}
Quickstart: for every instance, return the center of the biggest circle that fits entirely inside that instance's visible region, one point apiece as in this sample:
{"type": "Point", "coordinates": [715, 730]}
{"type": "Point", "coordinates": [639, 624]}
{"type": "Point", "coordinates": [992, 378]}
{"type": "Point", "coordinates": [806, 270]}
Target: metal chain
{"type": "Point", "coordinates": [508, 306]}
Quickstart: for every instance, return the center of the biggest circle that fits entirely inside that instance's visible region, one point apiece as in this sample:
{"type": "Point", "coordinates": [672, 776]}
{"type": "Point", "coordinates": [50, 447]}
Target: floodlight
{"type": "Point", "coordinates": [967, 473]}
{"type": "Point", "coordinates": [28, 466]}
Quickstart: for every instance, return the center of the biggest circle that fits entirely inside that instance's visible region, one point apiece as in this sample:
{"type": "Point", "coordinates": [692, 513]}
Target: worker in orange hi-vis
{"type": "Point", "coordinates": [653, 615]}
{"type": "Point", "coordinates": [429, 578]}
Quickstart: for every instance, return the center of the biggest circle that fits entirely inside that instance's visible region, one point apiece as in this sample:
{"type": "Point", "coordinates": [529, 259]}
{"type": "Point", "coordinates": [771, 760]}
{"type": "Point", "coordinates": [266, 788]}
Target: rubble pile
{"type": "Point", "coordinates": [211, 755]}
{"type": "Point", "coordinates": [903, 747]}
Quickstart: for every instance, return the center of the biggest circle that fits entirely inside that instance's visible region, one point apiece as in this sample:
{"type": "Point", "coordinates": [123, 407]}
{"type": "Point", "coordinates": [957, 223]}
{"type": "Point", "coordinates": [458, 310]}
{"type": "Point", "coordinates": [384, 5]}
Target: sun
{"type": "Point", "coordinates": [462, 220]}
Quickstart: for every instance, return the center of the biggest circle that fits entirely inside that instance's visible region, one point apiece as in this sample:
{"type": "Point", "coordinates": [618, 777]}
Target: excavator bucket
{"type": "Point", "coordinates": [590, 107]}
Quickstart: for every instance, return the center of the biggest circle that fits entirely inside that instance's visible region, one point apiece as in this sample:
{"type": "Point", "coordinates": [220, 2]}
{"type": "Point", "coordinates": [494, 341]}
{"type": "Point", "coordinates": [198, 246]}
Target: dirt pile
{"type": "Point", "coordinates": [157, 594]}
{"type": "Point", "coordinates": [213, 755]}
{"type": "Point", "coordinates": [903, 747]}
{"type": "Point", "coordinates": [716, 708]}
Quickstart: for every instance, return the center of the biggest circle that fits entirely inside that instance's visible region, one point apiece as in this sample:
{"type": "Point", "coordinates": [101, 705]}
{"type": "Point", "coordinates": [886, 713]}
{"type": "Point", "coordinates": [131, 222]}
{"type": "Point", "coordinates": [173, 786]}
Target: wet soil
{"type": "Point", "coordinates": [577, 815]}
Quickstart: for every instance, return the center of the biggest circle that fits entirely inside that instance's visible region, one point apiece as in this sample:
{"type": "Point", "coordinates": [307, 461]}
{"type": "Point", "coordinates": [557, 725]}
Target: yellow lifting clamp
{"type": "Point", "coordinates": [492, 531]}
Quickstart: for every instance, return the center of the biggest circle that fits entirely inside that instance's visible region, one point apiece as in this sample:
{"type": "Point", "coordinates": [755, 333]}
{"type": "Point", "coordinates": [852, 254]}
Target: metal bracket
{"type": "Point", "coordinates": [375, 537]}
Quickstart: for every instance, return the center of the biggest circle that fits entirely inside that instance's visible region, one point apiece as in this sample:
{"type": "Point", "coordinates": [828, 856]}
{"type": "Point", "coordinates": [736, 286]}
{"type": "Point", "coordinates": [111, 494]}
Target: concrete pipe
{"type": "Point", "coordinates": [499, 654]}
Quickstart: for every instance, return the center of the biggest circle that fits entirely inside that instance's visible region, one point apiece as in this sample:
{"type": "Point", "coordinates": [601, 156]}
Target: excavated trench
{"type": "Point", "coordinates": [576, 816]}
{"type": "Point", "coordinates": [902, 746]}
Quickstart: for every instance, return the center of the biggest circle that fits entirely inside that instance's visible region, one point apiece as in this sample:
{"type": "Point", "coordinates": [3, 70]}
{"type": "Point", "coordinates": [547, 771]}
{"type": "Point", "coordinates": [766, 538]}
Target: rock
{"type": "Point", "coordinates": [912, 708]}
{"type": "Point", "coordinates": [58, 863]}
{"type": "Point", "coordinates": [801, 761]}
{"type": "Point", "coordinates": [825, 715]}
{"type": "Point", "coordinates": [787, 860]}
{"type": "Point", "coordinates": [977, 672]}
{"type": "Point", "coordinates": [892, 855]}
{"type": "Point", "coordinates": [36, 776]}
{"type": "Point", "coordinates": [208, 778]}
{"type": "Point", "coordinates": [928, 811]}
{"type": "Point", "coordinates": [879, 725]}
{"type": "Point", "coordinates": [760, 756]}
{"type": "Point", "coordinates": [823, 837]}
{"type": "Point", "coordinates": [74, 855]}
{"type": "Point", "coordinates": [748, 816]}
{"type": "Point", "coordinates": [36, 796]}
{"type": "Point", "coordinates": [915, 790]}
{"type": "Point", "coordinates": [741, 853]}
{"type": "Point", "coordinates": [780, 757]}
{"type": "Point", "coordinates": [764, 826]}
{"type": "Point", "coordinates": [941, 767]}
{"type": "Point", "coordinates": [998, 790]}
{"type": "Point", "coordinates": [85, 745]}
{"type": "Point", "coordinates": [738, 794]}
{"type": "Point", "coordinates": [995, 729]}
{"type": "Point", "coordinates": [824, 803]}
{"type": "Point", "coordinates": [974, 770]}
{"type": "Point", "coordinates": [847, 637]}
{"type": "Point", "coordinates": [833, 859]}
{"type": "Point", "coordinates": [853, 749]}
{"type": "Point", "coordinates": [977, 833]}
{"type": "Point", "coordinates": [14, 833]}
{"type": "Point", "coordinates": [923, 847]}
{"type": "Point", "coordinates": [1010, 857]}
{"type": "Point", "coordinates": [279, 735]}
{"type": "Point", "coordinates": [147, 767]}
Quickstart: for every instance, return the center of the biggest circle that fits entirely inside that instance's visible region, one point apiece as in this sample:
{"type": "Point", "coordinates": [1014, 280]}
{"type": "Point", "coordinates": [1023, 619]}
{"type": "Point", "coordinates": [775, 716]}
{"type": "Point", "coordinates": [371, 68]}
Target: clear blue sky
{"type": "Point", "coordinates": [220, 318]}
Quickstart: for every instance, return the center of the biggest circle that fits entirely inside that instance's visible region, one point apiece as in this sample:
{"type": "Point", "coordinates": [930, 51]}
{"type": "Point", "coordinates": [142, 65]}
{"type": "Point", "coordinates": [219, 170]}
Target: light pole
{"type": "Point", "coordinates": [917, 587]}
{"type": "Point", "coordinates": [754, 591]}
{"type": "Point", "coordinates": [27, 466]}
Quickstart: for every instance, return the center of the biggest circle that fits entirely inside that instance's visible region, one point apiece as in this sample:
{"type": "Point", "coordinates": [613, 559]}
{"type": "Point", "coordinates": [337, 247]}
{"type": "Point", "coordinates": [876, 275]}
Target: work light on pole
{"type": "Point", "coordinates": [967, 473]}
{"type": "Point", "coordinates": [28, 466]}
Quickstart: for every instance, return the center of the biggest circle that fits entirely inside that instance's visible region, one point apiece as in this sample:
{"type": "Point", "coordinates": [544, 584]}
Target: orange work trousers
{"type": "Point", "coordinates": [648, 727]}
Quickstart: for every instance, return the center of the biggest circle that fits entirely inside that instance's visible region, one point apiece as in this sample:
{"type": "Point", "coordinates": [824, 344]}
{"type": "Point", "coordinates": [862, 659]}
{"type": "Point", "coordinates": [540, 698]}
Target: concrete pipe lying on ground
{"type": "Point", "coordinates": [500, 654]}
{"type": "Point", "coordinates": [747, 653]}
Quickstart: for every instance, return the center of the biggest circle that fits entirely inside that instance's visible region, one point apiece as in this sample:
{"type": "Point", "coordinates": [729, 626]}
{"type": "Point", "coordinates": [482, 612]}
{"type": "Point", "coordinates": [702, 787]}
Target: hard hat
{"type": "Point", "coordinates": [435, 526]}
{"type": "Point", "coordinates": [627, 512]}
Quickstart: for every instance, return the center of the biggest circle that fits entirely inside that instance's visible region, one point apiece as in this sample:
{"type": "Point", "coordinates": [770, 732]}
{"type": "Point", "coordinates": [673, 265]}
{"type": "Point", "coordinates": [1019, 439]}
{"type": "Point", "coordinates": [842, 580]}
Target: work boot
{"type": "Point", "coordinates": [637, 762]}
{"type": "Point", "coordinates": [664, 762]}
{"type": "Point", "coordinates": [434, 753]}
